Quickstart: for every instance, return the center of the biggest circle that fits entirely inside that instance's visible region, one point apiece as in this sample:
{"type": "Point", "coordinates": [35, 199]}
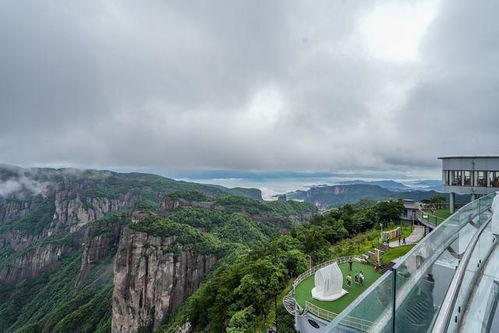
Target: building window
{"type": "Point", "coordinates": [481, 178]}
{"type": "Point", "coordinates": [467, 178]}
{"type": "Point", "coordinates": [446, 177]}
{"type": "Point", "coordinates": [456, 178]}
{"type": "Point", "coordinates": [494, 178]}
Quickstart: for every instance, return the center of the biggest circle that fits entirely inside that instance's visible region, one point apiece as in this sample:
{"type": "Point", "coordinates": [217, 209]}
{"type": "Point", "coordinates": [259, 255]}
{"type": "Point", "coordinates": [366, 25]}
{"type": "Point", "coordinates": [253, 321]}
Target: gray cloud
{"type": "Point", "coordinates": [240, 85]}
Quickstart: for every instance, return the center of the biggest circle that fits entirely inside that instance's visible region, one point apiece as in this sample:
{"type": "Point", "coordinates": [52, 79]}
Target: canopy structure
{"type": "Point", "coordinates": [328, 283]}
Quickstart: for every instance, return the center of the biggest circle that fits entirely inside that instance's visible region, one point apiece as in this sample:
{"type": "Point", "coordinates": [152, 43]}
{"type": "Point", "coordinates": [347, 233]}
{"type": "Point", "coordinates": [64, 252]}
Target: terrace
{"type": "Point", "coordinates": [303, 290]}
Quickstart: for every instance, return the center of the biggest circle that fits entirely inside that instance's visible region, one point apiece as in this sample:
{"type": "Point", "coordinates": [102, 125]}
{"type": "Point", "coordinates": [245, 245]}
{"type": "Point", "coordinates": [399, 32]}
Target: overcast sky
{"type": "Point", "coordinates": [330, 85]}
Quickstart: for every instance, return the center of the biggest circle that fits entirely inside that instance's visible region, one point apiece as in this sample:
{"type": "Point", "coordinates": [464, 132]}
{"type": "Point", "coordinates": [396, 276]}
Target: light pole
{"type": "Point", "coordinates": [413, 216]}
{"type": "Point", "coordinates": [381, 235]}
{"type": "Point", "coordinates": [309, 262]}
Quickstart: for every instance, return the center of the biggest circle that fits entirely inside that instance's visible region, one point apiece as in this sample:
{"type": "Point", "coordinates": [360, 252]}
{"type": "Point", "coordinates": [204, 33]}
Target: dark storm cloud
{"type": "Point", "coordinates": [237, 85]}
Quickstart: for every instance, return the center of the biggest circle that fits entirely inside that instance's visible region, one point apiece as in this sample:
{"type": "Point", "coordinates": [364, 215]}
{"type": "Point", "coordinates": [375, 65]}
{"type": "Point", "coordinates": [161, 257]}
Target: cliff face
{"type": "Point", "coordinates": [10, 209]}
{"type": "Point", "coordinates": [72, 211]}
{"type": "Point", "coordinates": [168, 205]}
{"type": "Point", "coordinates": [32, 264]}
{"type": "Point", "coordinates": [63, 206]}
{"type": "Point", "coordinates": [152, 277]}
{"type": "Point", "coordinates": [99, 241]}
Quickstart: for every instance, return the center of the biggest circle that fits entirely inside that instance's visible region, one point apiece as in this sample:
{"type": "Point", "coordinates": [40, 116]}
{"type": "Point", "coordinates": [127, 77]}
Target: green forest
{"type": "Point", "coordinates": [242, 293]}
{"type": "Point", "coordinates": [260, 247]}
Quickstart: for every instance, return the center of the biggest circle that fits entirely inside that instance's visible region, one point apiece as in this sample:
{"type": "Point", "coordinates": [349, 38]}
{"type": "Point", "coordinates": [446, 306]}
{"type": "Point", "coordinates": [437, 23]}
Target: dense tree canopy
{"type": "Point", "coordinates": [239, 295]}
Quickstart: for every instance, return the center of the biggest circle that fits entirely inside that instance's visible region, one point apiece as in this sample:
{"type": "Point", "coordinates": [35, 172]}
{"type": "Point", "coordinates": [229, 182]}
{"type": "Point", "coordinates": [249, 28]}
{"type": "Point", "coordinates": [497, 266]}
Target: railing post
{"type": "Point", "coordinates": [394, 295]}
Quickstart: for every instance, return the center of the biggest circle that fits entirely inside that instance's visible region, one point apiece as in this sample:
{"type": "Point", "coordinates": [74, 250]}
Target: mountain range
{"type": "Point", "coordinates": [101, 251]}
{"type": "Point", "coordinates": [324, 196]}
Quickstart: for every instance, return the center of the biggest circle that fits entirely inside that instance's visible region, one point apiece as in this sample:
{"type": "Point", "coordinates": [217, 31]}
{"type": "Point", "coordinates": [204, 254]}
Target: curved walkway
{"type": "Point", "coordinates": [413, 238]}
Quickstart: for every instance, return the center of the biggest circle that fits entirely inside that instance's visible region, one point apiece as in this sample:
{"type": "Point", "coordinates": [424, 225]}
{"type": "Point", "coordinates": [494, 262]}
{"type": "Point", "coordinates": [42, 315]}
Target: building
{"type": "Point", "coordinates": [474, 175]}
{"type": "Point", "coordinates": [411, 208]}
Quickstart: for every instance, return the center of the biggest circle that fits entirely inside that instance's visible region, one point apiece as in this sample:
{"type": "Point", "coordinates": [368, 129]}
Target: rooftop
{"type": "Point", "coordinates": [468, 156]}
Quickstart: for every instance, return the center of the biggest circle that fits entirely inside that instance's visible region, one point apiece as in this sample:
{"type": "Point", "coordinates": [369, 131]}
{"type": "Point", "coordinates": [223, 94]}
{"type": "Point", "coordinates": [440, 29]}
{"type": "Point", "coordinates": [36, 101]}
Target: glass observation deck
{"type": "Point", "coordinates": [446, 282]}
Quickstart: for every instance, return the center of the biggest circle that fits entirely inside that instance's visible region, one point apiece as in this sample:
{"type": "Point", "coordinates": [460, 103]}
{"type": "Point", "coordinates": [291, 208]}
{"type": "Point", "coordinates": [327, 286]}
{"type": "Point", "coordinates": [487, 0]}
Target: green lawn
{"type": "Point", "coordinates": [443, 213]}
{"type": "Point", "coordinates": [303, 291]}
{"type": "Point", "coordinates": [395, 252]}
{"type": "Point", "coordinates": [406, 231]}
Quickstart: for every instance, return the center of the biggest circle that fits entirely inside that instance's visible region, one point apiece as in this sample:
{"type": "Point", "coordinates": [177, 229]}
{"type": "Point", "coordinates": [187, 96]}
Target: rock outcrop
{"type": "Point", "coordinates": [99, 240]}
{"type": "Point", "coordinates": [32, 264]}
{"type": "Point", "coordinates": [168, 205]}
{"type": "Point", "coordinates": [152, 277]}
{"type": "Point", "coordinates": [73, 212]}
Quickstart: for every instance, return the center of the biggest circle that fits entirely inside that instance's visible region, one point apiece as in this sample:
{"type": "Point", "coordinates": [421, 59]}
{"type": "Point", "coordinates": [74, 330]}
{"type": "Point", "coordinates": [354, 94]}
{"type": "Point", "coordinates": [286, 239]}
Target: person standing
{"type": "Point", "coordinates": [350, 263]}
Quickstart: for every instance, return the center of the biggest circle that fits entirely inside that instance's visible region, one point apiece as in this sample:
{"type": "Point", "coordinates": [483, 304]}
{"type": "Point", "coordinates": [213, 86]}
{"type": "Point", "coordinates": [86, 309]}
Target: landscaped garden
{"type": "Point", "coordinates": [303, 292]}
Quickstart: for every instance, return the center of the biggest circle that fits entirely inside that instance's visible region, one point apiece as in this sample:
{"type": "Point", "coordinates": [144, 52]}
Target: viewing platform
{"type": "Point", "coordinates": [444, 284]}
{"type": "Point", "coordinates": [312, 313]}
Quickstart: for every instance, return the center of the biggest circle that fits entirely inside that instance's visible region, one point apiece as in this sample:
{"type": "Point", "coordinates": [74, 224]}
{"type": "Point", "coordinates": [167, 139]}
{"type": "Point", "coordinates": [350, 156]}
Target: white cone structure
{"type": "Point", "coordinates": [495, 214]}
{"type": "Point", "coordinates": [328, 283]}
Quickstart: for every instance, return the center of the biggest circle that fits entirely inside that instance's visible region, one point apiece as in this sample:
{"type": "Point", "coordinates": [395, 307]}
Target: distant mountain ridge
{"type": "Point", "coordinates": [325, 195]}
{"type": "Point", "coordinates": [388, 184]}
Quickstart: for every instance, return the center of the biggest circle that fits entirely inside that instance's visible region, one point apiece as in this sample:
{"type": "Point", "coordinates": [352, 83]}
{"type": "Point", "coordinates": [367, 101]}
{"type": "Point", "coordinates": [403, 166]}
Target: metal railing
{"type": "Point", "coordinates": [428, 218]}
{"type": "Point", "coordinates": [319, 312]}
{"type": "Point", "coordinates": [358, 323]}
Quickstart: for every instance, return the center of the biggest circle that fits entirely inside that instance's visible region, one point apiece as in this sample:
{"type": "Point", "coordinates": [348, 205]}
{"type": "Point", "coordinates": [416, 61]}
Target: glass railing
{"type": "Point", "coordinates": [417, 284]}
{"type": "Point", "coordinates": [464, 281]}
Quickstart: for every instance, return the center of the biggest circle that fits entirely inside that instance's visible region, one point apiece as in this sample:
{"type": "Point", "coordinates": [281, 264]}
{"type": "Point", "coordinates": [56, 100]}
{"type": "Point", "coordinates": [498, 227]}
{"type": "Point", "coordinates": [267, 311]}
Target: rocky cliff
{"type": "Point", "coordinates": [31, 264]}
{"type": "Point", "coordinates": [100, 240]}
{"type": "Point", "coordinates": [152, 277]}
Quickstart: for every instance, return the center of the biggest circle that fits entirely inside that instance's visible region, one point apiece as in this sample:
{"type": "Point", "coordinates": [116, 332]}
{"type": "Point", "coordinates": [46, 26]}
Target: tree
{"type": "Point", "coordinates": [438, 199]}
{"type": "Point", "coordinates": [389, 211]}
{"type": "Point", "coordinates": [242, 321]}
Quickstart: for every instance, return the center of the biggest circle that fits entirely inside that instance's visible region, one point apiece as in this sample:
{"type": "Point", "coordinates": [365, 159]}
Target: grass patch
{"type": "Point", "coordinates": [394, 253]}
{"type": "Point", "coordinates": [356, 245]}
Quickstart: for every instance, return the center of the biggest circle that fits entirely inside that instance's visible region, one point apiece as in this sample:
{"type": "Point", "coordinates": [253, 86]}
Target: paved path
{"type": "Point", "coordinates": [414, 237]}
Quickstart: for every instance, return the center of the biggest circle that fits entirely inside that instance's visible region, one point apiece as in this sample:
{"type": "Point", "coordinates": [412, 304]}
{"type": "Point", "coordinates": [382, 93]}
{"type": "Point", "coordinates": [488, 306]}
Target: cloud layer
{"type": "Point", "coordinates": [247, 85]}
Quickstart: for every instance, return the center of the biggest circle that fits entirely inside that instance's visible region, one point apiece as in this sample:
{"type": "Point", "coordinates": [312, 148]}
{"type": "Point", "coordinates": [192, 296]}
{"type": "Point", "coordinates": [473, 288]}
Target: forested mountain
{"type": "Point", "coordinates": [325, 195]}
{"type": "Point", "coordinates": [388, 184]}
{"type": "Point", "coordinates": [95, 251]}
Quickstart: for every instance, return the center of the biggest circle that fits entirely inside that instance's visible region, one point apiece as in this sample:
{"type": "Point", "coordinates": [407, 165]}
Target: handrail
{"type": "Point", "coordinates": [443, 318]}
{"type": "Point", "coordinates": [438, 219]}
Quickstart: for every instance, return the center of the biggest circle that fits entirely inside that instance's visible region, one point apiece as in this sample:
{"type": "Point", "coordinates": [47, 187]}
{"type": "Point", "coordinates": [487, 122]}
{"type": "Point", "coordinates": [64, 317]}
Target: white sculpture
{"type": "Point", "coordinates": [495, 214]}
{"type": "Point", "coordinates": [328, 283]}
